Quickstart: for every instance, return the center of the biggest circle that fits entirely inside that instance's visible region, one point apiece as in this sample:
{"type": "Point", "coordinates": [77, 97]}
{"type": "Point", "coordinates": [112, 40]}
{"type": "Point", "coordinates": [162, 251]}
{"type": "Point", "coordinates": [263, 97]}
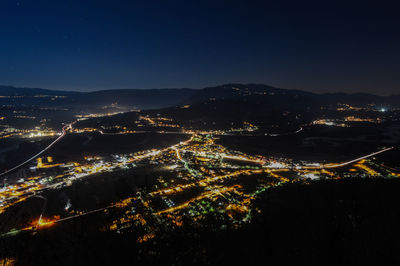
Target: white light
{"type": "Point", "coordinates": [311, 176]}
{"type": "Point", "coordinates": [383, 110]}
{"type": "Point", "coordinates": [276, 165]}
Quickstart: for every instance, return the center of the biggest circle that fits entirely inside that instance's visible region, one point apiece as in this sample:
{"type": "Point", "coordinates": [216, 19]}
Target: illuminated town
{"type": "Point", "coordinates": [191, 133]}
{"type": "Point", "coordinates": [152, 176]}
{"type": "Point", "coordinates": [194, 180]}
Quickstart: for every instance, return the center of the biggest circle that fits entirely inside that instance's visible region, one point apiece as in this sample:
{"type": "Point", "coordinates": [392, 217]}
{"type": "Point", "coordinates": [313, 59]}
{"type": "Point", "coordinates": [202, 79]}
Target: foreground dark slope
{"type": "Point", "coordinates": [346, 222]}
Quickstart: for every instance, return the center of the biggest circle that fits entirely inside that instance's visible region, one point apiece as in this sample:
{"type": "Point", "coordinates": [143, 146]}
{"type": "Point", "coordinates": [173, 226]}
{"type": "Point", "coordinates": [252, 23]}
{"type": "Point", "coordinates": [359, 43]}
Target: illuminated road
{"type": "Point", "coordinates": [358, 159]}
{"type": "Point", "coordinates": [80, 215]}
{"type": "Point", "coordinates": [284, 134]}
{"type": "Point", "coordinates": [223, 156]}
{"type": "Point", "coordinates": [336, 165]}
{"type": "Point", "coordinates": [64, 132]}
{"type": "Point", "coordinates": [212, 184]}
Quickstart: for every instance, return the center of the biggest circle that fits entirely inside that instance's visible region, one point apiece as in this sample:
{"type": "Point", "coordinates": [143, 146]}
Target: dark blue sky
{"type": "Point", "coordinates": [89, 45]}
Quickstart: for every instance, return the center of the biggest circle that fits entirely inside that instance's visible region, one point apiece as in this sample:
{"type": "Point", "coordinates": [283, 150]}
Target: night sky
{"type": "Point", "coordinates": [91, 45]}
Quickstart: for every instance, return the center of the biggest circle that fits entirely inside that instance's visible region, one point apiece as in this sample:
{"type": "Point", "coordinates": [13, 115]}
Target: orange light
{"type": "Point", "coordinates": [42, 222]}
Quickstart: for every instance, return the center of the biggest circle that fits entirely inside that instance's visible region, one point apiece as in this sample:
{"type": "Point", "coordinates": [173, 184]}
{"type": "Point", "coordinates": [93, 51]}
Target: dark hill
{"type": "Point", "coordinates": [235, 91]}
{"type": "Point", "coordinates": [30, 92]}
{"type": "Point", "coordinates": [161, 98]}
{"type": "Point", "coordinates": [142, 99]}
{"type": "Point", "coordinates": [152, 98]}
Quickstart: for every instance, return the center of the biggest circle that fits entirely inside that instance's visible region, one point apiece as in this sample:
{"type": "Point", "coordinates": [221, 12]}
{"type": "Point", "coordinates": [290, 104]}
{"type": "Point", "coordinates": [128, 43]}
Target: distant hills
{"type": "Point", "coordinates": [228, 105]}
{"type": "Point", "coordinates": [261, 91]}
{"type": "Point", "coordinates": [142, 99]}
{"type": "Point", "coordinates": [30, 92]}
{"type": "Point", "coordinates": [161, 98]}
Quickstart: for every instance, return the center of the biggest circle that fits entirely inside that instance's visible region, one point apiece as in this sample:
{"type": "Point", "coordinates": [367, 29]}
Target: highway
{"type": "Point", "coordinates": [81, 214]}
{"type": "Point", "coordinates": [358, 159]}
{"type": "Point", "coordinates": [64, 132]}
{"type": "Point", "coordinates": [336, 165]}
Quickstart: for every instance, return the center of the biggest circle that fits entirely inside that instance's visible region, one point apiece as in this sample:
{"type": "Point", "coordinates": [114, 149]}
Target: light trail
{"type": "Point", "coordinates": [64, 132]}
{"type": "Point", "coordinates": [358, 159]}
{"type": "Point", "coordinates": [44, 205]}
{"type": "Point", "coordinates": [336, 165]}
{"type": "Point", "coordinates": [82, 214]}
{"type": "Point", "coordinates": [284, 134]}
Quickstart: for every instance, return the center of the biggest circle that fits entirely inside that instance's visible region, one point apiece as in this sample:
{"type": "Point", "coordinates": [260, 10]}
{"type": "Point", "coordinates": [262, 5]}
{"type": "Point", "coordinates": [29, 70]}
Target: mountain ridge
{"type": "Point", "coordinates": [8, 88]}
{"type": "Point", "coordinates": [168, 97]}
